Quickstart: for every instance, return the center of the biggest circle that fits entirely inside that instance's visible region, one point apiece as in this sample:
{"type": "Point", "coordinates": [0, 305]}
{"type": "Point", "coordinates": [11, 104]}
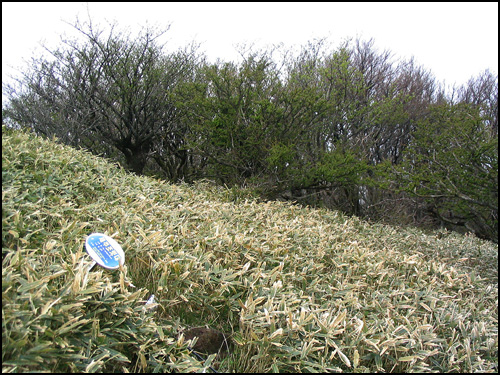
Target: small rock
{"type": "Point", "coordinates": [209, 341]}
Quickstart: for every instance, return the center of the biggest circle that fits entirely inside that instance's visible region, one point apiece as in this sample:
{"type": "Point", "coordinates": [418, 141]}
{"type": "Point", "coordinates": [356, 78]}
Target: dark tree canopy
{"type": "Point", "coordinates": [110, 93]}
{"type": "Point", "coordinates": [349, 128]}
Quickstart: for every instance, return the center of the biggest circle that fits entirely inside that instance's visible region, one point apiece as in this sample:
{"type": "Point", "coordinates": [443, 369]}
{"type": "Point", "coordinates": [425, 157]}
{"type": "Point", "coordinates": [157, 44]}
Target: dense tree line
{"type": "Point", "coordinates": [349, 127]}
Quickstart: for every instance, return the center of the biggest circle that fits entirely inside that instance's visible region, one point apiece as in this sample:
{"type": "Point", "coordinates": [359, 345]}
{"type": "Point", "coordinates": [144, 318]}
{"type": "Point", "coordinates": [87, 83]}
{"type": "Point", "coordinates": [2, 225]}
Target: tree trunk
{"type": "Point", "coordinates": [135, 158]}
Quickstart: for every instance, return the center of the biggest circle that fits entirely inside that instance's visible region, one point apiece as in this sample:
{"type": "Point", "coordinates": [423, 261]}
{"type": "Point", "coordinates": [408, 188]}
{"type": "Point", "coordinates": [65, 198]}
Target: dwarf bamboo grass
{"type": "Point", "coordinates": [296, 288]}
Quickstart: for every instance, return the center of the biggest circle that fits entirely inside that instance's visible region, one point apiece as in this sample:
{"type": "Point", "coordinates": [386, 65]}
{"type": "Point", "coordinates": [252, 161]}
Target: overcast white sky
{"type": "Point", "coordinates": [453, 40]}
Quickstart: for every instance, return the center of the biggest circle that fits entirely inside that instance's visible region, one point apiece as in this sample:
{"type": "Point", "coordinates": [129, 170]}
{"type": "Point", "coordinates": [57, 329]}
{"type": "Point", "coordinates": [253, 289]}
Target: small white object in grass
{"type": "Point", "coordinates": [151, 301]}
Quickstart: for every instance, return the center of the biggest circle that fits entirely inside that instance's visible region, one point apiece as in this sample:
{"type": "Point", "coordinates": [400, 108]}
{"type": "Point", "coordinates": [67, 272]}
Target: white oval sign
{"type": "Point", "coordinates": [105, 250]}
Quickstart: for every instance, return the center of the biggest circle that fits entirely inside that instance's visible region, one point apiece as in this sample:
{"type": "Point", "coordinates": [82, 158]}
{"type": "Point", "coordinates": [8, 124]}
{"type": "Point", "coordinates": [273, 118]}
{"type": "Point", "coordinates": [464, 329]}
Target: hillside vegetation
{"type": "Point", "coordinates": [349, 127]}
{"type": "Point", "coordinates": [295, 288]}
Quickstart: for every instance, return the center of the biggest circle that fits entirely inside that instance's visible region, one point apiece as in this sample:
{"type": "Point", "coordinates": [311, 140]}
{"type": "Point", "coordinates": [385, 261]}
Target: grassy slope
{"type": "Point", "coordinates": [298, 289]}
